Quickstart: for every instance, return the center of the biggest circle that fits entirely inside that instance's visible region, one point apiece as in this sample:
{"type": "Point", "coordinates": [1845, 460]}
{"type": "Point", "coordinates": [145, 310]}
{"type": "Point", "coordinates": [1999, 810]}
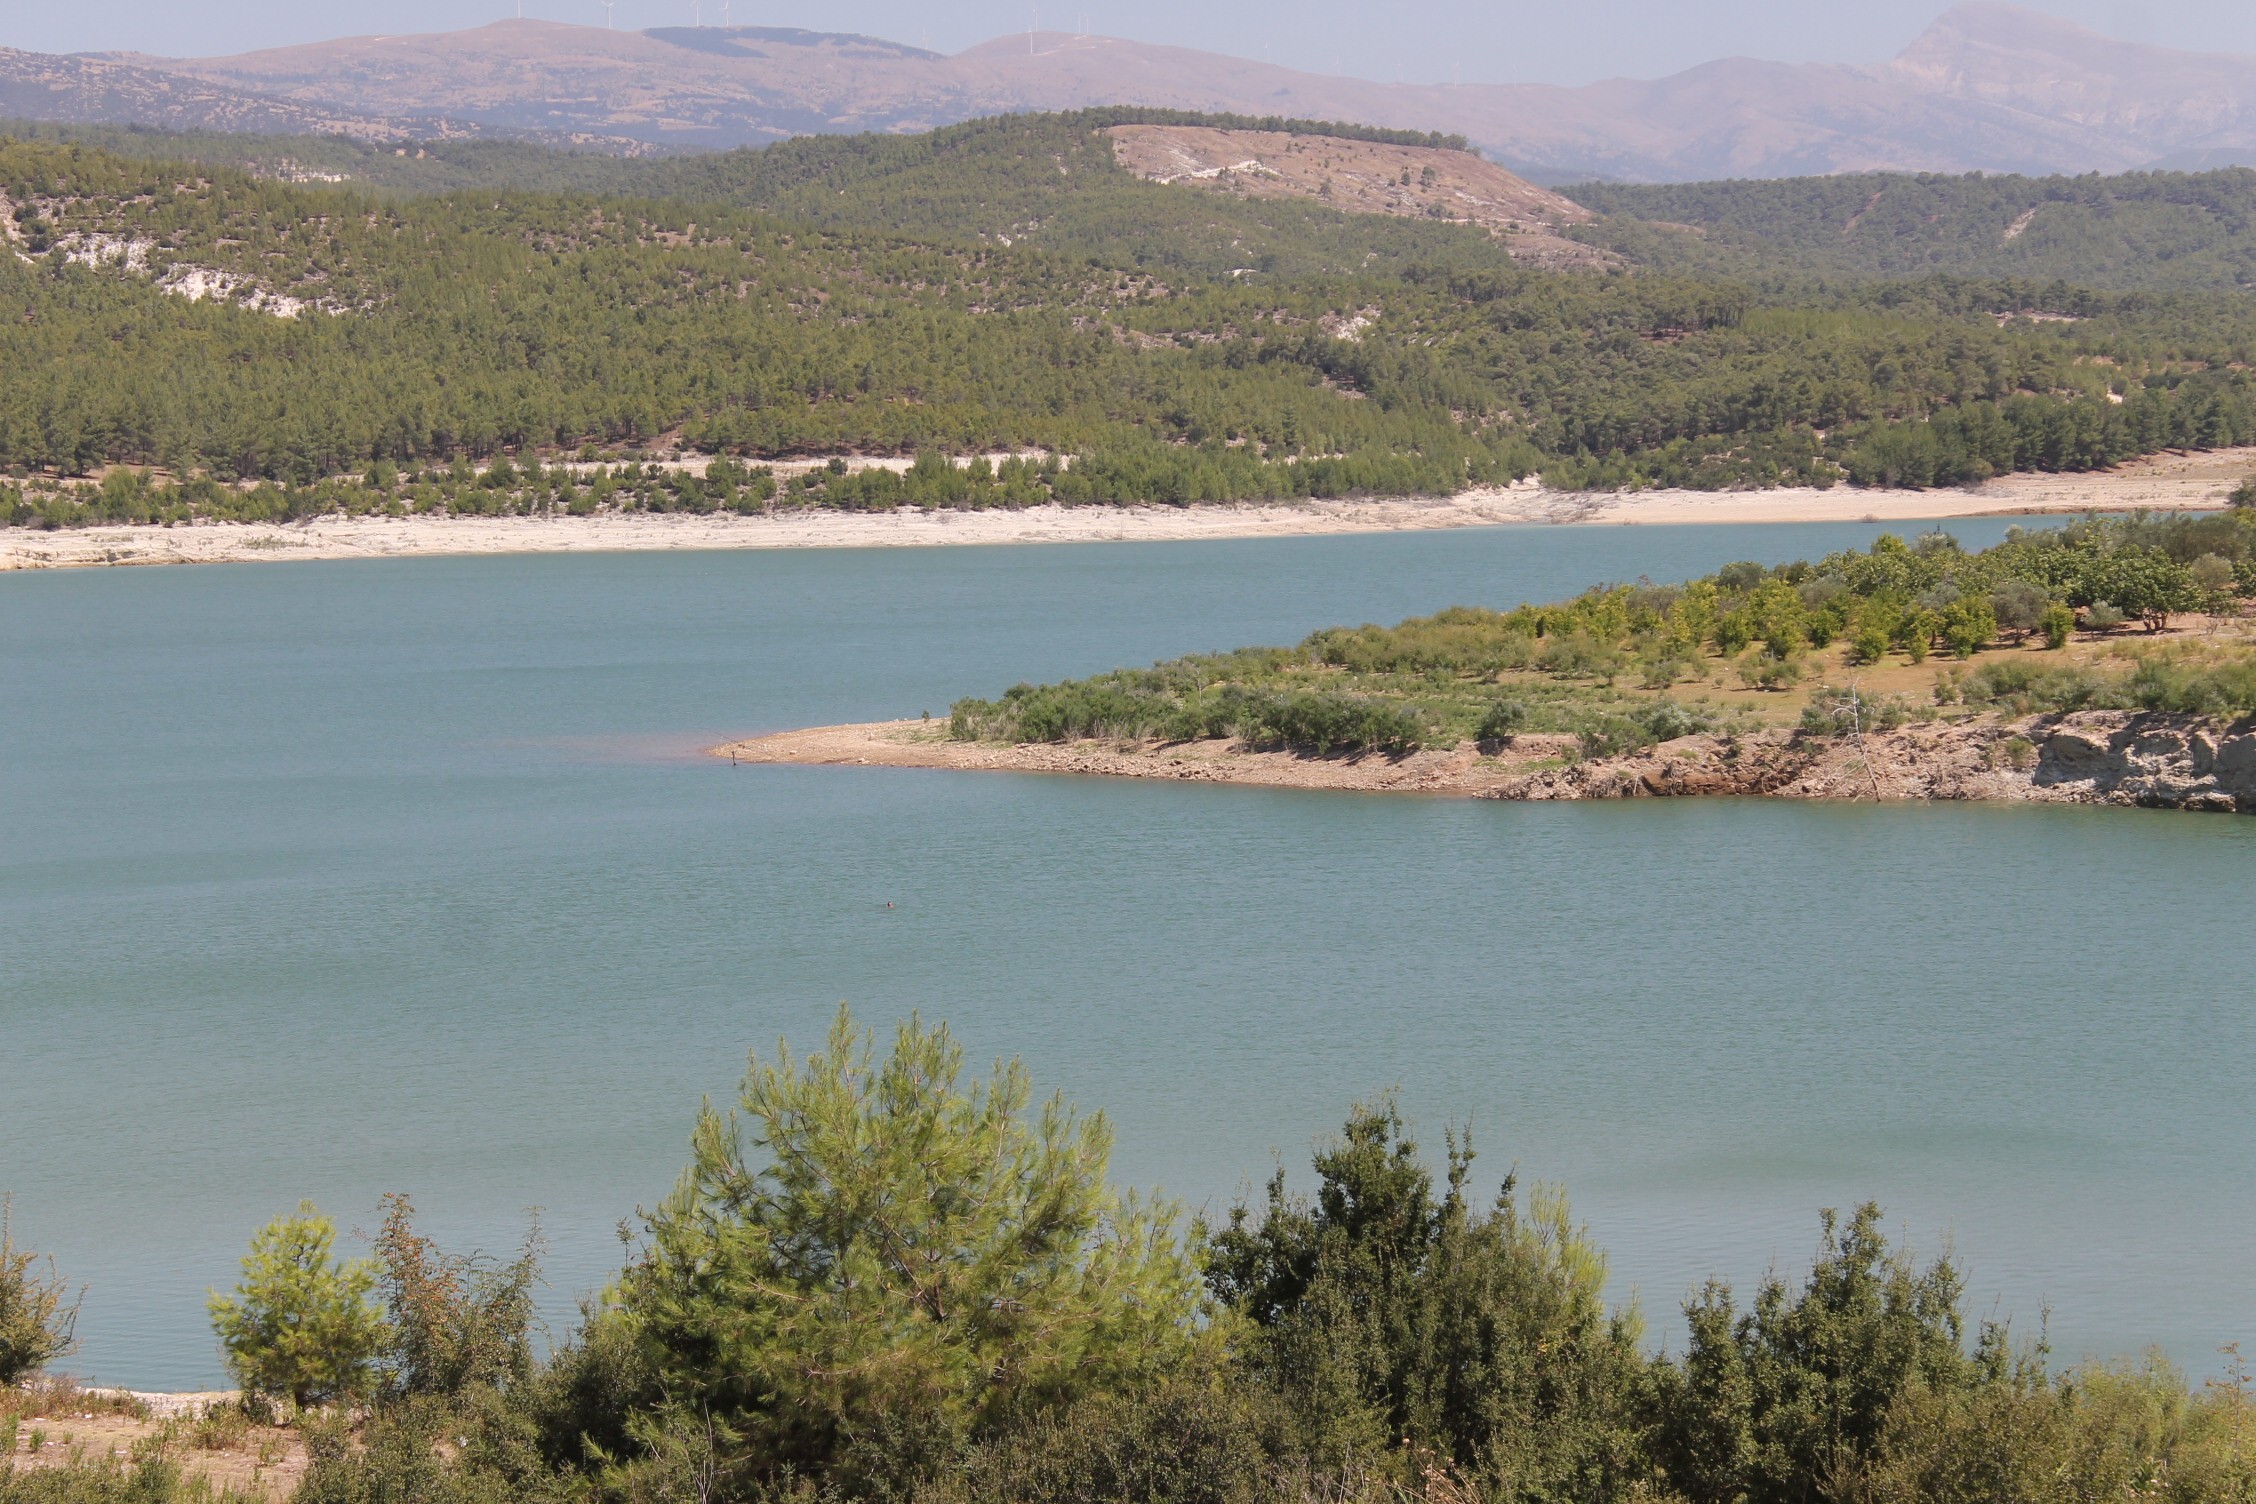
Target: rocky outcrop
{"type": "Point", "coordinates": [2168, 762]}
{"type": "Point", "coordinates": [2089, 757]}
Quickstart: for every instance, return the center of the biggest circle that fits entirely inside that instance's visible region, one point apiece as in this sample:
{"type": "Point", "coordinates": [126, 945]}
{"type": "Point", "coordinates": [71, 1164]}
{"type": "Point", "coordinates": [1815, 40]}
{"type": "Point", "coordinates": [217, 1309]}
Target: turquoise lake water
{"type": "Point", "coordinates": [322, 880]}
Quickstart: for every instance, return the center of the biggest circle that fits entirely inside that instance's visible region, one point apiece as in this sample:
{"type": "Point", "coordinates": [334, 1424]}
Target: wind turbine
{"type": "Point", "coordinates": [607, 4]}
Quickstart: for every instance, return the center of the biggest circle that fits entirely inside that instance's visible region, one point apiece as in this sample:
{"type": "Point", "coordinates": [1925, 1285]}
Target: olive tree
{"type": "Point", "coordinates": [2145, 583]}
{"type": "Point", "coordinates": [871, 1263]}
{"type": "Point", "coordinates": [2019, 606]}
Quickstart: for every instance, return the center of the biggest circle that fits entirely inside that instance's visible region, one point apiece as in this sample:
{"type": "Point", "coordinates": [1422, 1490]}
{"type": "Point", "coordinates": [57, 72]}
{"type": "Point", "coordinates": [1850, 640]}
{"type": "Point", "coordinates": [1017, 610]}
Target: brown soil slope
{"type": "Point", "coordinates": [1360, 177]}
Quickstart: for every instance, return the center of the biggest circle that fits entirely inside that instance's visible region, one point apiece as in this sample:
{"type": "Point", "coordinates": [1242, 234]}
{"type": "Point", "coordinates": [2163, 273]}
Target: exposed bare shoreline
{"type": "Point", "coordinates": [2088, 757]}
{"type": "Point", "coordinates": [2167, 482]}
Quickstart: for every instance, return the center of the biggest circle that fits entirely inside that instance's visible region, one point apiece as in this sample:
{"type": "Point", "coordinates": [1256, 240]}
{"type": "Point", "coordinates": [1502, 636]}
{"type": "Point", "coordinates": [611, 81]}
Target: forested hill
{"type": "Point", "coordinates": [927, 297]}
{"type": "Point", "coordinates": [1045, 179]}
{"type": "Point", "coordinates": [2138, 230]}
{"type": "Point", "coordinates": [1052, 178]}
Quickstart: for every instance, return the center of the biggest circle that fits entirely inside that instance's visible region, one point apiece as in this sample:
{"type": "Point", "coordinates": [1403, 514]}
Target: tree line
{"type": "Point", "coordinates": [2132, 230]}
{"type": "Point", "coordinates": [880, 1279]}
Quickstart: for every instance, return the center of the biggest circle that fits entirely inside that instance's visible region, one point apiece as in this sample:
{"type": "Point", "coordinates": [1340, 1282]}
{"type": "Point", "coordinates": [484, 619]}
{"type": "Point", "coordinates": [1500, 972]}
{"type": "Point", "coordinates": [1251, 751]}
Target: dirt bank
{"type": "Point", "coordinates": [2088, 757]}
{"type": "Point", "coordinates": [2168, 482]}
{"type": "Point", "coordinates": [59, 1426]}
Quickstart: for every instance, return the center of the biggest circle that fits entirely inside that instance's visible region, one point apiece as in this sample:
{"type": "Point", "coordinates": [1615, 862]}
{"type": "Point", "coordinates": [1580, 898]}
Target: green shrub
{"type": "Point", "coordinates": [1764, 669]}
{"type": "Point", "coordinates": [1325, 723]}
{"type": "Point", "coordinates": [1502, 719]}
{"type": "Point", "coordinates": [1846, 712]}
{"type": "Point", "coordinates": [148, 1477]}
{"type": "Point", "coordinates": [300, 1325]}
{"type": "Point", "coordinates": [2019, 606]}
{"type": "Point", "coordinates": [1204, 1437]}
{"type": "Point", "coordinates": [1967, 625]}
{"type": "Point", "coordinates": [399, 1457]}
{"type": "Point", "coordinates": [2057, 621]}
{"type": "Point", "coordinates": [2024, 686]}
{"type": "Point", "coordinates": [1666, 720]}
{"type": "Point", "coordinates": [2194, 689]}
{"type": "Point", "coordinates": [1581, 655]}
{"type": "Point", "coordinates": [2213, 578]}
{"type": "Point", "coordinates": [1870, 644]}
{"type": "Point", "coordinates": [37, 1312]}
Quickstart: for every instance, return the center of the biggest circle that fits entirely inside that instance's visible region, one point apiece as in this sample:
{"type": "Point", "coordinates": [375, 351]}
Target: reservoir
{"type": "Point", "coordinates": [327, 880]}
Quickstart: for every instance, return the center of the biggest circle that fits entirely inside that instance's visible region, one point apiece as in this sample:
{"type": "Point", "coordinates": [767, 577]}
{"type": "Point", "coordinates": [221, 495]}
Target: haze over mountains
{"type": "Point", "coordinates": [1989, 87]}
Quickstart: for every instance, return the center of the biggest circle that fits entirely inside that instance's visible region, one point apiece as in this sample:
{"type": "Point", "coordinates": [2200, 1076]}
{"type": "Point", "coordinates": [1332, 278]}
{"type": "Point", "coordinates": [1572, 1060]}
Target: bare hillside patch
{"type": "Point", "coordinates": [1362, 177]}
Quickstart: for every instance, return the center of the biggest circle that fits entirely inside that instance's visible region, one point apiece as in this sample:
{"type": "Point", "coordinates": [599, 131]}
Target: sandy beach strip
{"type": "Point", "coordinates": [925, 744]}
{"type": "Point", "coordinates": [2167, 482]}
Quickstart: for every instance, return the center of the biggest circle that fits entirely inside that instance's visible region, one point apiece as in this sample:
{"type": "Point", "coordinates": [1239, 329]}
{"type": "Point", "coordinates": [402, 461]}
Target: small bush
{"type": "Point", "coordinates": [1847, 712]}
{"type": "Point", "coordinates": [221, 1426]}
{"type": "Point", "coordinates": [2100, 616]}
{"type": "Point", "coordinates": [2016, 752]}
{"type": "Point", "coordinates": [1666, 720]}
{"type": "Point", "coordinates": [1580, 655]}
{"type": "Point", "coordinates": [1766, 670]}
{"type": "Point", "coordinates": [1502, 719]}
{"type": "Point", "coordinates": [1870, 644]}
{"type": "Point", "coordinates": [1332, 723]}
{"type": "Point", "coordinates": [2025, 686]}
{"type": "Point", "coordinates": [2056, 623]}
{"type": "Point", "coordinates": [2227, 689]}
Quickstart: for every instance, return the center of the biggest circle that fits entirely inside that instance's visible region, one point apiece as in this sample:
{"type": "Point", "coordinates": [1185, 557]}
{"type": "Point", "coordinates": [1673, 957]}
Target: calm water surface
{"type": "Point", "coordinates": [329, 879]}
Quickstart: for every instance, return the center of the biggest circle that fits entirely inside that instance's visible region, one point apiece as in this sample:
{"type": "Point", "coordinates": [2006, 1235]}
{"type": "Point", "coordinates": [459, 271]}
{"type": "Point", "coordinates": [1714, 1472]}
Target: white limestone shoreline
{"type": "Point", "coordinates": [2166, 482]}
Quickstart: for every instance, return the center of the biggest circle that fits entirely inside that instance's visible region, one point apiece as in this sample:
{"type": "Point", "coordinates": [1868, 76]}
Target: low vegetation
{"type": "Point", "coordinates": [1624, 666]}
{"type": "Point", "coordinates": [881, 1280]}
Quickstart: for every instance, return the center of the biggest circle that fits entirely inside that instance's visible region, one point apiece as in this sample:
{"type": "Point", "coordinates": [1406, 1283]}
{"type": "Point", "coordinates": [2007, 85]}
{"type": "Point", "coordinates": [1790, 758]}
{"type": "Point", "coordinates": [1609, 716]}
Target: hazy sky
{"type": "Point", "coordinates": [1431, 40]}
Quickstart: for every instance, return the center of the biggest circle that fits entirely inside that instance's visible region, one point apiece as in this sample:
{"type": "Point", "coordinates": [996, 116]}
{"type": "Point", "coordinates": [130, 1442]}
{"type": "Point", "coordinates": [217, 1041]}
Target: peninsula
{"type": "Point", "coordinates": [2106, 662]}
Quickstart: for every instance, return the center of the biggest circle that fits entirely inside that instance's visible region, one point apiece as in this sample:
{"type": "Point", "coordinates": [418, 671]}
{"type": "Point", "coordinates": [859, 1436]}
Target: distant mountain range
{"type": "Point", "coordinates": [1989, 87]}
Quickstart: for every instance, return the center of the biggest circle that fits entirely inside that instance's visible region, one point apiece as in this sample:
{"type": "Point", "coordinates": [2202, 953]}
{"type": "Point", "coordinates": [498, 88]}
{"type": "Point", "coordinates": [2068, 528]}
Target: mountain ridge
{"type": "Point", "coordinates": [1988, 87]}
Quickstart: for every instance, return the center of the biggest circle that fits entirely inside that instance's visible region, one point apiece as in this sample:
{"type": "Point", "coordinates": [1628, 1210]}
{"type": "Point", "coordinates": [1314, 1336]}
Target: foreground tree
{"type": "Point", "coordinates": [1455, 1339]}
{"type": "Point", "coordinates": [457, 1321]}
{"type": "Point", "coordinates": [1793, 1397]}
{"type": "Point", "coordinates": [300, 1325]}
{"type": "Point", "coordinates": [873, 1264]}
